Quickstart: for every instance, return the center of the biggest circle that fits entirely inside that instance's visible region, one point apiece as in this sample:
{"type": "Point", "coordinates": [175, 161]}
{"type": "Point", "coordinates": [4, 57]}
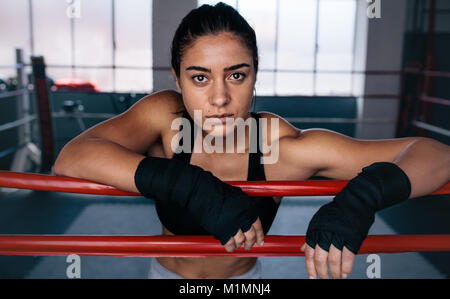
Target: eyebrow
{"type": "Point", "coordinates": [230, 68]}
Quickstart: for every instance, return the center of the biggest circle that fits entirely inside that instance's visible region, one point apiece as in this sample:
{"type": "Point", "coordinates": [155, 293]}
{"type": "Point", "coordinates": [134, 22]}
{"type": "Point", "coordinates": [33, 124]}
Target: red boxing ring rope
{"type": "Point", "coordinates": [198, 246]}
{"type": "Point", "coordinates": [42, 182]}
{"type": "Point", "coordinates": [190, 246]}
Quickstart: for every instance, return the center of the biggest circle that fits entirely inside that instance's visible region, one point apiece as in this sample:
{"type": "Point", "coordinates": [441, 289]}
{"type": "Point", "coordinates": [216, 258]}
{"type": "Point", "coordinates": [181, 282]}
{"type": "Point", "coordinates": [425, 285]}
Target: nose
{"type": "Point", "coordinates": [219, 94]}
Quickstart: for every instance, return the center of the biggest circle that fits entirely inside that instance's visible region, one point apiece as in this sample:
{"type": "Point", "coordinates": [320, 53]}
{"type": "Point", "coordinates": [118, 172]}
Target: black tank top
{"type": "Point", "coordinates": [180, 222]}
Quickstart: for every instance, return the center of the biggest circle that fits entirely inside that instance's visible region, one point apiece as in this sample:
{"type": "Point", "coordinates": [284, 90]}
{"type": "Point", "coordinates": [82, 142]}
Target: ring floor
{"type": "Point", "coordinates": [32, 212]}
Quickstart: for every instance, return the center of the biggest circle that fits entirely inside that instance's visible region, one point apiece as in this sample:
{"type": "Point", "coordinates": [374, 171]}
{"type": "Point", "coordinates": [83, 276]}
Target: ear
{"type": "Point", "coordinates": [177, 82]}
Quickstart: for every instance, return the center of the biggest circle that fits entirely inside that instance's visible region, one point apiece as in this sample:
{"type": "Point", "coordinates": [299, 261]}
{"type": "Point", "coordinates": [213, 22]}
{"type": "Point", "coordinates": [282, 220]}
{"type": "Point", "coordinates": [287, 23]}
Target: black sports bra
{"type": "Point", "coordinates": [180, 222]}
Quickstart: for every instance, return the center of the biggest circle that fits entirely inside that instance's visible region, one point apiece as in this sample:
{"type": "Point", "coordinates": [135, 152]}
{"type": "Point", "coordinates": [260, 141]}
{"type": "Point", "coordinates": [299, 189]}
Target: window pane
{"type": "Point", "coordinates": [52, 31]}
{"type": "Point", "coordinates": [264, 83]}
{"type": "Point", "coordinates": [93, 34]}
{"type": "Point", "coordinates": [333, 84]}
{"type": "Point", "coordinates": [294, 83]}
{"type": "Point", "coordinates": [296, 36]}
{"type": "Point", "coordinates": [133, 33]}
{"type": "Point", "coordinates": [14, 33]}
{"type": "Point", "coordinates": [262, 17]}
{"type": "Point", "coordinates": [133, 80]}
{"type": "Point", "coordinates": [336, 33]}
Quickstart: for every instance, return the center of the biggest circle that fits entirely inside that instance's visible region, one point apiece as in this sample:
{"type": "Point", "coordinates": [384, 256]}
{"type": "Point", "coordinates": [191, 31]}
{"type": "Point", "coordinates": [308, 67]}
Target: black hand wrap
{"type": "Point", "coordinates": [347, 219]}
{"type": "Point", "coordinates": [221, 209]}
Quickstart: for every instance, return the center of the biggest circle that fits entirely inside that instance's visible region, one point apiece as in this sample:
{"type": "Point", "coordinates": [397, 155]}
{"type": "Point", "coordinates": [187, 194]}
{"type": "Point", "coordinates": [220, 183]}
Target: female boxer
{"type": "Point", "coordinates": [215, 64]}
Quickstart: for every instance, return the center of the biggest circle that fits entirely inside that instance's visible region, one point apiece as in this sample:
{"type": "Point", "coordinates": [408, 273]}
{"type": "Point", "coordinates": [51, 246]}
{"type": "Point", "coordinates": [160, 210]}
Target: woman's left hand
{"type": "Point", "coordinates": [338, 229]}
{"type": "Point", "coordinates": [341, 262]}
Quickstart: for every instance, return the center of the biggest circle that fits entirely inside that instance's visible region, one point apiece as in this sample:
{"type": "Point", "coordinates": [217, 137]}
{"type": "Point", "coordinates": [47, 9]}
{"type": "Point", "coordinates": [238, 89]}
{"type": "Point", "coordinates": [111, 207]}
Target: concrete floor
{"type": "Point", "coordinates": [28, 212]}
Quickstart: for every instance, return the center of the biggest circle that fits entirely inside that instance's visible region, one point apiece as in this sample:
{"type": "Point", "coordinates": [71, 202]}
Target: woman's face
{"type": "Point", "coordinates": [217, 78]}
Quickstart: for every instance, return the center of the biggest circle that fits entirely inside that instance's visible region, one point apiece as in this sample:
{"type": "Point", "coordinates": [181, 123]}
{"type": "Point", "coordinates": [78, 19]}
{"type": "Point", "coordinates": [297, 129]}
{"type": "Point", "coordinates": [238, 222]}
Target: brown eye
{"type": "Point", "coordinates": [238, 76]}
{"type": "Point", "coordinates": [199, 78]}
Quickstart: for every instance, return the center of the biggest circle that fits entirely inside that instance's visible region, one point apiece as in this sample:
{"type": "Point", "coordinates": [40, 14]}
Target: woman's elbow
{"type": "Point", "coordinates": [63, 165]}
{"type": "Point", "coordinates": [60, 167]}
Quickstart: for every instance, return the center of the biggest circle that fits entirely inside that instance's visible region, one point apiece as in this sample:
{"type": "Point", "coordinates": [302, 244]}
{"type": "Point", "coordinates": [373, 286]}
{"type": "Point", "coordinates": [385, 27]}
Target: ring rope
{"type": "Point", "coordinates": [197, 246]}
{"type": "Point", "coordinates": [42, 182]}
{"type": "Point", "coordinates": [190, 246]}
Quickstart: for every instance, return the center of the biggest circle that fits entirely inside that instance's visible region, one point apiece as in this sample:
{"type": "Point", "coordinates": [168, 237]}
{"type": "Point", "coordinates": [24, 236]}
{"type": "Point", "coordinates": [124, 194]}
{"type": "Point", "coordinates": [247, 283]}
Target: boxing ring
{"type": "Point", "coordinates": [146, 246]}
{"type": "Point", "coordinates": [190, 246]}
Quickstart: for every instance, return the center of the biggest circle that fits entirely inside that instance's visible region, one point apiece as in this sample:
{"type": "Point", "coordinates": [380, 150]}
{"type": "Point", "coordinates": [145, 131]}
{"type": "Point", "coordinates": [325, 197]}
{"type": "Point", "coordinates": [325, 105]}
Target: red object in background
{"type": "Point", "coordinates": [75, 85]}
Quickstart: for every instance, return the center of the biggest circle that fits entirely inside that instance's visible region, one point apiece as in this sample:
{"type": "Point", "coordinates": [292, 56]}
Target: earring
{"type": "Point", "coordinates": [253, 100]}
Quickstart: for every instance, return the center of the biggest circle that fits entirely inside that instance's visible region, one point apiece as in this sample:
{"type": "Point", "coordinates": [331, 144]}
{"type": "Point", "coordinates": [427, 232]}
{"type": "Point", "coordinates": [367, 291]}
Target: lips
{"type": "Point", "coordinates": [221, 118]}
{"type": "Point", "coordinates": [220, 115]}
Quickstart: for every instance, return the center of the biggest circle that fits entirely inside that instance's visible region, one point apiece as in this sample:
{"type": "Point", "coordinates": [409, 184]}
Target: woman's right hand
{"type": "Point", "coordinates": [223, 210]}
{"type": "Point", "coordinates": [254, 235]}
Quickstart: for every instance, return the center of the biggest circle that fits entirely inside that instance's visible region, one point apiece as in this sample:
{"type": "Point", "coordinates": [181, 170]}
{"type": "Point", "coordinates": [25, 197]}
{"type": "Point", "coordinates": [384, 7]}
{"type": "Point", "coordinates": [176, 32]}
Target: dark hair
{"type": "Point", "coordinates": [209, 19]}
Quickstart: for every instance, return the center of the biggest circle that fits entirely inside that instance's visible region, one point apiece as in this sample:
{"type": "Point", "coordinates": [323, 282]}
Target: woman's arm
{"type": "Point", "coordinates": [345, 220]}
{"type": "Point", "coordinates": [333, 155]}
{"type": "Point", "coordinates": [418, 169]}
{"type": "Point", "coordinates": [110, 152]}
{"type": "Point", "coordinates": [426, 162]}
{"type": "Point", "coordinates": [99, 160]}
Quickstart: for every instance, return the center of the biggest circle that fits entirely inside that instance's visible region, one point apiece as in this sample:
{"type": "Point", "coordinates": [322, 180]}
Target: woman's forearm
{"type": "Point", "coordinates": [427, 164]}
{"type": "Point", "coordinates": [99, 160]}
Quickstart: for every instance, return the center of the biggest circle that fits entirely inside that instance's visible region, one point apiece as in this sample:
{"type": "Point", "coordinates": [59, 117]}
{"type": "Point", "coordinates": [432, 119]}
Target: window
{"type": "Point", "coordinates": [14, 33]}
{"type": "Point", "coordinates": [306, 47]}
{"type": "Point", "coordinates": [133, 50]}
{"type": "Point", "coordinates": [96, 46]}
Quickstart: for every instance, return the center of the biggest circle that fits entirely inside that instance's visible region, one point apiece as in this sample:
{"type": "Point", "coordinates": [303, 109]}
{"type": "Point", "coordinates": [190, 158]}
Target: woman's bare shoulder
{"type": "Point", "coordinates": [312, 136]}
{"type": "Point", "coordinates": [279, 126]}
{"type": "Point", "coordinates": [159, 108]}
{"type": "Point", "coordinates": [164, 101]}
{"type": "Point", "coordinates": [142, 124]}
